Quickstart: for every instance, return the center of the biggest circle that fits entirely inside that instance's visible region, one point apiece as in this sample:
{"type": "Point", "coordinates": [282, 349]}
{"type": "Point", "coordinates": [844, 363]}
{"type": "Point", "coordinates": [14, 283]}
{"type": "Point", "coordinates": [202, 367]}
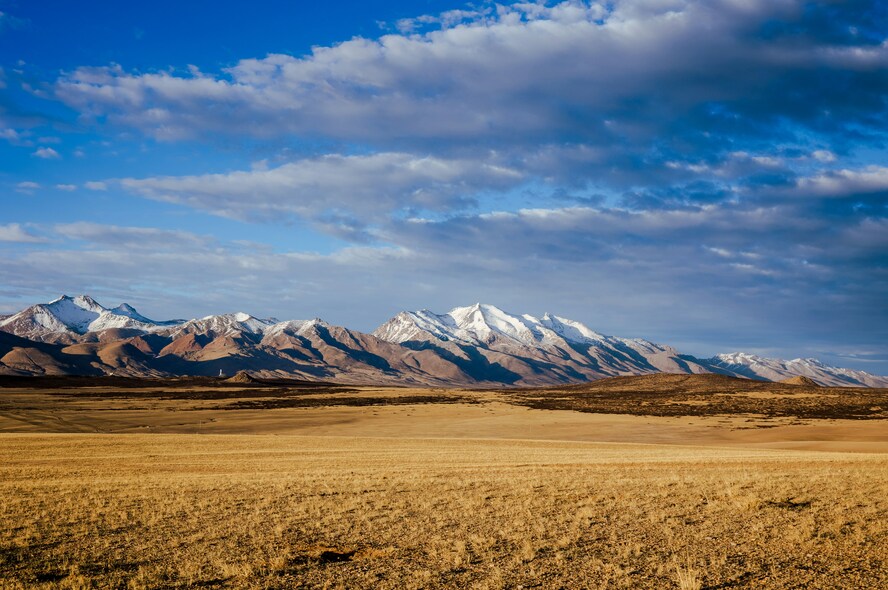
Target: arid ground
{"type": "Point", "coordinates": [649, 482]}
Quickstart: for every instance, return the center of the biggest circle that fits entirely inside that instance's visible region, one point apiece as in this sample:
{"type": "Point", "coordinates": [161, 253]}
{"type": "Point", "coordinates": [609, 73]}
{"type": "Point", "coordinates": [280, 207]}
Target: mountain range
{"type": "Point", "coordinates": [477, 345]}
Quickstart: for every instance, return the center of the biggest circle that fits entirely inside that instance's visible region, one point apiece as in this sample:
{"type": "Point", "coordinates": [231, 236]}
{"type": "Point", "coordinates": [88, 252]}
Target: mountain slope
{"type": "Point", "coordinates": [477, 345]}
{"type": "Point", "coordinates": [67, 318]}
{"type": "Point", "coordinates": [490, 344]}
{"type": "Point", "coordinates": [756, 367]}
{"type": "Point", "coordinates": [20, 356]}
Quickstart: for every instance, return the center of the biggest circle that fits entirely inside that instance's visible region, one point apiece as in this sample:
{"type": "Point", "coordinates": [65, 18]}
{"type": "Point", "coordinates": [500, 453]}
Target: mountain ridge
{"type": "Point", "coordinates": [476, 345]}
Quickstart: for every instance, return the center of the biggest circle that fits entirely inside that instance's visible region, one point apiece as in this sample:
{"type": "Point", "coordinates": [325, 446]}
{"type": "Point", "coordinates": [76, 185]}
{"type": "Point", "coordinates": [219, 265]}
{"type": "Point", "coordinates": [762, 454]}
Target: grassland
{"type": "Point", "coordinates": [430, 489]}
{"type": "Point", "coordinates": [269, 511]}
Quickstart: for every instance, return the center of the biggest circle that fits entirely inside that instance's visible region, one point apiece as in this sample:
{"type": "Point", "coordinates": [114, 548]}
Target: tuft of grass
{"type": "Point", "coordinates": [688, 576]}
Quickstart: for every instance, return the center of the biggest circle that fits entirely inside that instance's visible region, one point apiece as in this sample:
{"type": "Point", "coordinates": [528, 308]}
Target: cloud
{"type": "Point", "coordinates": [723, 159]}
{"type": "Point", "coordinates": [721, 275]}
{"type": "Point", "coordinates": [66, 187]}
{"type": "Point", "coordinates": [124, 237]}
{"type": "Point", "coordinates": [8, 21]}
{"type": "Point", "coordinates": [27, 187]}
{"type": "Point", "coordinates": [846, 182]}
{"type": "Point", "coordinates": [359, 187]}
{"type": "Point", "coordinates": [169, 263]}
{"type": "Point", "coordinates": [631, 76]}
{"type": "Point", "coordinates": [671, 271]}
{"type": "Point", "coordinates": [14, 232]}
{"type": "Point", "coordinates": [823, 156]}
{"type": "Point", "coordinates": [47, 153]}
{"type": "Point", "coordinates": [658, 105]}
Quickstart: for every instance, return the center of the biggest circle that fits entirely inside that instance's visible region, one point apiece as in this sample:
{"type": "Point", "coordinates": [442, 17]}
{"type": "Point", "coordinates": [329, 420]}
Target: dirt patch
{"type": "Point", "coordinates": [789, 504]}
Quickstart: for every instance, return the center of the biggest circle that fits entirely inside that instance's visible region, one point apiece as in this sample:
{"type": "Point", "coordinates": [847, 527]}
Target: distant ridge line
{"type": "Point", "coordinates": [477, 345]}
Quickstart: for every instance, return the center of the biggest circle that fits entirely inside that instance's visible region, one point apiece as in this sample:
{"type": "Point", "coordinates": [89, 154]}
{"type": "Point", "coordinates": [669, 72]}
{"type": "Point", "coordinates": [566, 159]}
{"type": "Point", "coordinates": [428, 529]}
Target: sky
{"type": "Point", "coordinates": [711, 175]}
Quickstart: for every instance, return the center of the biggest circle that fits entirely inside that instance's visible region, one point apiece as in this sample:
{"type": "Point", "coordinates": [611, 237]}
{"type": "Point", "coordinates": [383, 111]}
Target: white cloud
{"type": "Point", "coordinates": [627, 273]}
{"type": "Point", "coordinates": [47, 153]}
{"type": "Point", "coordinates": [130, 237]}
{"type": "Point", "coordinates": [14, 232]}
{"type": "Point", "coordinates": [167, 263]}
{"type": "Point", "coordinates": [683, 104]}
{"type": "Point", "coordinates": [823, 156]}
{"type": "Point", "coordinates": [367, 187]}
{"type": "Point", "coordinates": [27, 187]}
{"type": "Point", "coordinates": [66, 187]}
{"type": "Point", "coordinates": [630, 72]}
{"type": "Point", "coordinates": [845, 182]}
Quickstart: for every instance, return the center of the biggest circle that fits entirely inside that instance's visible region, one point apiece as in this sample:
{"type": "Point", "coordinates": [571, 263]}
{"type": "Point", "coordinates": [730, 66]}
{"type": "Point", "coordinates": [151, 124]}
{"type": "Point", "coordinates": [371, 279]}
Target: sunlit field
{"type": "Point", "coordinates": [147, 511]}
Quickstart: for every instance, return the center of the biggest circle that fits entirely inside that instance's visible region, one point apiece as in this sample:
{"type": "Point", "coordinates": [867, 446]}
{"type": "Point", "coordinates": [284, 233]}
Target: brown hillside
{"type": "Point", "coordinates": [800, 380]}
{"type": "Point", "coordinates": [121, 354]}
{"type": "Point", "coordinates": [183, 346]}
{"type": "Point", "coordinates": [33, 360]}
{"type": "Point", "coordinates": [242, 377]}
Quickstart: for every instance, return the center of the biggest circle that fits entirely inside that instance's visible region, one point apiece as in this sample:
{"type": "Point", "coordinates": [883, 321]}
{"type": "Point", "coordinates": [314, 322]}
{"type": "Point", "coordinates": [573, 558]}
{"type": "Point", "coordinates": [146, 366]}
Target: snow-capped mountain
{"type": "Point", "coordinates": [479, 345]}
{"type": "Point", "coordinates": [531, 350]}
{"type": "Point", "coordinates": [66, 318]}
{"type": "Point", "coordinates": [484, 324]}
{"type": "Point", "coordinates": [757, 367]}
{"type": "Point", "coordinates": [229, 324]}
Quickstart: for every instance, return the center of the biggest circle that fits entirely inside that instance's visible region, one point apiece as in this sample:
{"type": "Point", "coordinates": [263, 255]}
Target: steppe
{"type": "Point", "coordinates": [666, 481]}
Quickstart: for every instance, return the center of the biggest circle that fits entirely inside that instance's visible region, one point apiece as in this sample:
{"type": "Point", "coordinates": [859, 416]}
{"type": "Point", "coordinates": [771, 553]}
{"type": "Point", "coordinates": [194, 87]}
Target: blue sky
{"type": "Point", "coordinates": [712, 175]}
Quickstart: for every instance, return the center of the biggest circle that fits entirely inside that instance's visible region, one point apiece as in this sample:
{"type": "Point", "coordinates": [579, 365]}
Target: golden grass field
{"type": "Point", "coordinates": [431, 494]}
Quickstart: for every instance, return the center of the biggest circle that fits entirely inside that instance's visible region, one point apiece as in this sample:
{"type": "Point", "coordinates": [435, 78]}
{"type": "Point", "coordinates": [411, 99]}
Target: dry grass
{"type": "Point", "coordinates": [138, 511]}
{"type": "Point", "coordinates": [665, 394]}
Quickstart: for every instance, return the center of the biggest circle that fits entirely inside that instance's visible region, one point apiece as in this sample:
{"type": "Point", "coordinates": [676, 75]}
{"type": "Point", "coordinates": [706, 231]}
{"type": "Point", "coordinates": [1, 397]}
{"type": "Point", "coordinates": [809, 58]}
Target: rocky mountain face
{"type": "Point", "coordinates": [66, 319]}
{"type": "Point", "coordinates": [478, 345]}
{"type": "Point", "coordinates": [486, 341]}
{"type": "Point", "coordinates": [756, 367]}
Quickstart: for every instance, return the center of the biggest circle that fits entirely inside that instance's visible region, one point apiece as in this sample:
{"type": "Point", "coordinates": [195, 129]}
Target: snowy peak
{"type": "Point", "coordinates": [128, 311]}
{"type": "Point", "coordinates": [228, 324]}
{"type": "Point", "coordinates": [475, 344]}
{"type": "Point", "coordinates": [72, 316]}
{"type": "Point", "coordinates": [571, 330]}
{"type": "Point", "coordinates": [534, 345]}
{"type": "Point", "coordinates": [739, 358]}
{"type": "Point", "coordinates": [65, 314]}
{"type": "Point", "coordinates": [417, 325]}
{"type": "Point", "coordinates": [483, 323]}
{"type": "Point", "coordinates": [757, 367]}
{"type": "Point", "coordinates": [87, 302]}
{"type": "Point", "coordinates": [297, 327]}
{"type": "Point", "coordinates": [74, 313]}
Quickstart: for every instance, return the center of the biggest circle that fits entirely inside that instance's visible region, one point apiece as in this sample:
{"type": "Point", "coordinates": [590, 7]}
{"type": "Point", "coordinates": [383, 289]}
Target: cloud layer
{"type": "Point", "coordinates": [686, 73]}
{"type": "Point", "coordinates": [353, 189]}
{"type": "Point", "coordinates": [711, 169]}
